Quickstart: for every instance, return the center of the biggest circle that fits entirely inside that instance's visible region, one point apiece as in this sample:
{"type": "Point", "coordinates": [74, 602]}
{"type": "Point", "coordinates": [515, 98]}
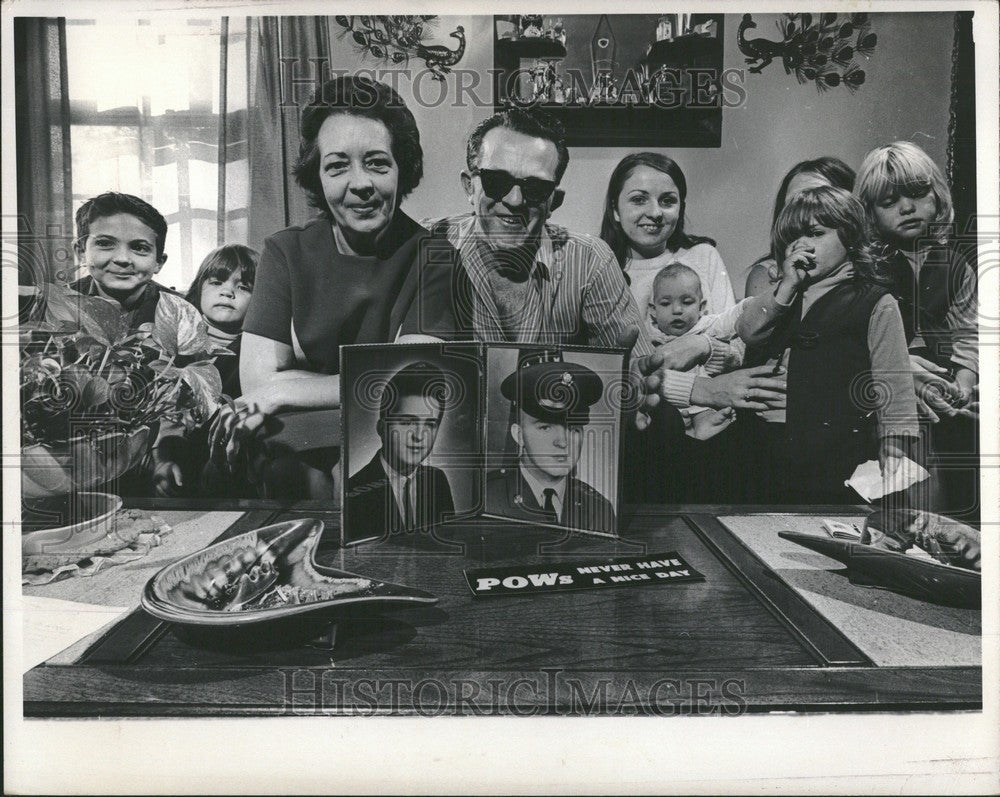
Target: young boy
{"type": "Point", "coordinates": [120, 241]}
{"type": "Point", "coordinates": [677, 307]}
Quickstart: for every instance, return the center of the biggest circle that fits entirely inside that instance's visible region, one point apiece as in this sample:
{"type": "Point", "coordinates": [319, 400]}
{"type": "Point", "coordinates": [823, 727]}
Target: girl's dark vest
{"type": "Point", "coordinates": [830, 423]}
{"type": "Point", "coordinates": [229, 370]}
{"type": "Point", "coordinates": [924, 302]}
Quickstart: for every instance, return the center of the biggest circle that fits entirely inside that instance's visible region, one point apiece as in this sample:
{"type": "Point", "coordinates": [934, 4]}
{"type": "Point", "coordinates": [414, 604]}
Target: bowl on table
{"type": "Point", "coordinates": [266, 582]}
{"type": "Point", "coordinates": [73, 524]}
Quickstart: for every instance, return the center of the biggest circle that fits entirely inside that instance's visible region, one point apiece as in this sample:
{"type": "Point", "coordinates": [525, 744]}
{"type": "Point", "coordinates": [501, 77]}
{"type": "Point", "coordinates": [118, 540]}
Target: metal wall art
{"type": "Point", "coordinates": [817, 47]}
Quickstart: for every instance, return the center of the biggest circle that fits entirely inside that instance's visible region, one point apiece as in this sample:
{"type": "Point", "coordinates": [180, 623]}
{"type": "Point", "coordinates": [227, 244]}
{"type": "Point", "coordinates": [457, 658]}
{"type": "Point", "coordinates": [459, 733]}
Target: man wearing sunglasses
{"type": "Point", "coordinates": [534, 282]}
{"type": "Point", "coordinates": [531, 281]}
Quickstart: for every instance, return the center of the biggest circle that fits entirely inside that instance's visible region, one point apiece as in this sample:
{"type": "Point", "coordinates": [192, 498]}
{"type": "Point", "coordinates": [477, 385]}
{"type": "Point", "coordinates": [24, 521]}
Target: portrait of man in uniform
{"type": "Point", "coordinates": [397, 491]}
{"type": "Point", "coordinates": [550, 406]}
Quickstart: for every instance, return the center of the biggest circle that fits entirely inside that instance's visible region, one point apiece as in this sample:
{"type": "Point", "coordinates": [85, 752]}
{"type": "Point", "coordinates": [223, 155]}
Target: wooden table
{"type": "Point", "coordinates": [747, 638]}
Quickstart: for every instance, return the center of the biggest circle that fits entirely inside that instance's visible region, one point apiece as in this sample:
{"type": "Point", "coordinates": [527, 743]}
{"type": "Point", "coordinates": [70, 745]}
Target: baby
{"type": "Point", "coordinates": [677, 307]}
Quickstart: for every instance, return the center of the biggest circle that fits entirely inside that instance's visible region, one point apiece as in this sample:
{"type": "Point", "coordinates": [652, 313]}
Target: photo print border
{"type": "Point", "coordinates": [551, 386]}
{"type": "Point", "coordinates": [441, 378]}
{"type": "Point", "coordinates": [367, 369]}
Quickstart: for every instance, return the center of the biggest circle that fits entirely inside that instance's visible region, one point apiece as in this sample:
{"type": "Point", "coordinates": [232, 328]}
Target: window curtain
{"type": "Point", "coordinates": [236, 125]}
{"type": "Point", "coordinates": [44, 192]}
{"type": "Point", "coordinates": [260, 136]}
{"type": "Point", "coordinates": [962, 125]}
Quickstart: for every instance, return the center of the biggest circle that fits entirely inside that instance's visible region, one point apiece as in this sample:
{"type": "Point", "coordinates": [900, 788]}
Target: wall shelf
{"type": "Point", "coordinates": [675, 120]}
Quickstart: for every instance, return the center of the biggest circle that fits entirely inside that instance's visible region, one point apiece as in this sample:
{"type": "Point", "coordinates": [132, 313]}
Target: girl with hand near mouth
{"type": "Point", "coordinates": [849, 399]}
{"type": "Point", "coordinates": [763, 430]}
{"type": "Point", "coordinates": [825, 170]}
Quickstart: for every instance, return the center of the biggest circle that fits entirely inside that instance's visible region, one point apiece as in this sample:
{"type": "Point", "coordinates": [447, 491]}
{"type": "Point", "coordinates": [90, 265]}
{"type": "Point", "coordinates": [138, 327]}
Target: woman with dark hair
{"type": "Point", "coordinates": [765, 273]}
{"type": "Point", "coordinates": [644, 226]}
{"type": "Point", "coordinates": [361, 272]}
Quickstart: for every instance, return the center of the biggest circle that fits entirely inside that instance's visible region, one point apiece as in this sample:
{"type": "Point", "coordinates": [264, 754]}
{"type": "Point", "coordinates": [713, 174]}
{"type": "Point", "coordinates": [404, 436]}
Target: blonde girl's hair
{"type": "Point", "coordinates": [834, 208]}
{"type": "Point", "coordinates": [903, 168]}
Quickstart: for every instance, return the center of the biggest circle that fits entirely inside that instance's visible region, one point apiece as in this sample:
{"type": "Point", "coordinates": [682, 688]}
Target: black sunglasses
{"type": "Point", "coordinates": [497, 184]}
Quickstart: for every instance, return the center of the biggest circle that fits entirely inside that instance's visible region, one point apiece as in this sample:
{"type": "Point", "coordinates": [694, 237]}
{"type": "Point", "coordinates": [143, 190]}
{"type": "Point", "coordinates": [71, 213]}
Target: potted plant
{"type": "Point", "coordinates": [94, 392]}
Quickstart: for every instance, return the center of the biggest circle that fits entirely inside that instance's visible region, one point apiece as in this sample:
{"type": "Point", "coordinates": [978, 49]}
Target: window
{"type": "Point", "coordinates": [146, 117]}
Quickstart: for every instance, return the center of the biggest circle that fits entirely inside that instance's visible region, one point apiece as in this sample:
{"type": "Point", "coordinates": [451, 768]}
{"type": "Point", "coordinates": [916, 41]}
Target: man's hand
{"type": "Point", "coordinates": [748, 389]}
{"type": "Point", "coordinates": [644, 376]}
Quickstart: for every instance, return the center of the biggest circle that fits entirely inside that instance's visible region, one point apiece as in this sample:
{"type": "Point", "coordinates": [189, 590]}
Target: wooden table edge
{"type": "Point", "coordinates": [131, 690]}
{"type": "Point", "coordinates": [852, 684]}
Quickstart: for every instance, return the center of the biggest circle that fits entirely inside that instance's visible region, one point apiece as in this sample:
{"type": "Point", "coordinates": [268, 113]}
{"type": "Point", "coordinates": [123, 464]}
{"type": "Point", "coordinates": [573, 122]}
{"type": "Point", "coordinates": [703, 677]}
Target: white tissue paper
{"type": "Point", "coordinates": [869, 482]}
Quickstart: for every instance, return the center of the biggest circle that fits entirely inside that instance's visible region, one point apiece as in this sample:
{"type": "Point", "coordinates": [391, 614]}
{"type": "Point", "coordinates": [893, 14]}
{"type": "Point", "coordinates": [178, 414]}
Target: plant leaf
{"type": "Point", "coordinates": [75, 377]}
{"type": "Point", "coordinates": [96, 392]}
{"type": "Point", "coordinates": [206, 385]}
{"type": "Point", "coordinates": [179, 328]}
{"type": "Point", "coordinates": [61, 304]}
{"type": "Point", "coordinates": [103, 319]}
{"type": "Point", "coordinates": [192, 335]}
{"type": "Point", "coordinates": [84, 360]}
{"type": "Point", "coordinates": [164, 331]}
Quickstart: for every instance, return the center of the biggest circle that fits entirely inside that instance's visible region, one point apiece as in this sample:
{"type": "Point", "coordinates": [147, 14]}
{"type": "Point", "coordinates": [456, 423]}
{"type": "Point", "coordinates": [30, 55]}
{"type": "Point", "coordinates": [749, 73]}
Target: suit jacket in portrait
{"type": "Point", "coordinates": [371, 508]}
{"type": "Point", "coordinates": [508, 495]}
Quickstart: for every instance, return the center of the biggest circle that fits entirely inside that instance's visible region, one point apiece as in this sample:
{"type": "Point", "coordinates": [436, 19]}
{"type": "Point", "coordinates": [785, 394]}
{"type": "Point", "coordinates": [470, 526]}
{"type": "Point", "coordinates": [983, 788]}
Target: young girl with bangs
{"type": "Point", "coordinates": [221, 292]}
{"type": "Point", "coordinates": [833, 320]}
{"type": "Point", "coordinates": [758, 430]}
{"type": "Point", "coordinates": [825, 170]}
{"type": "Point", "coordinates": [933, 275]}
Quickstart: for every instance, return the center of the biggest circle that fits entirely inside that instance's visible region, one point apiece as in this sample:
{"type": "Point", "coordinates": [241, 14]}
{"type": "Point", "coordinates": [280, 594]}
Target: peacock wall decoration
{"type": "Point", "coordinates": [397, 39]}
{"type": "Point", "coordinates": [818, 48]}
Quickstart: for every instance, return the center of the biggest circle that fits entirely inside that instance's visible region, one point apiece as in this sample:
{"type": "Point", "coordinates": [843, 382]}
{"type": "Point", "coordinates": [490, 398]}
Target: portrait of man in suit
{"type": "Point", "coordinates": [551, 402]}
{"type": "Point", "coordinates": [396, 491]}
